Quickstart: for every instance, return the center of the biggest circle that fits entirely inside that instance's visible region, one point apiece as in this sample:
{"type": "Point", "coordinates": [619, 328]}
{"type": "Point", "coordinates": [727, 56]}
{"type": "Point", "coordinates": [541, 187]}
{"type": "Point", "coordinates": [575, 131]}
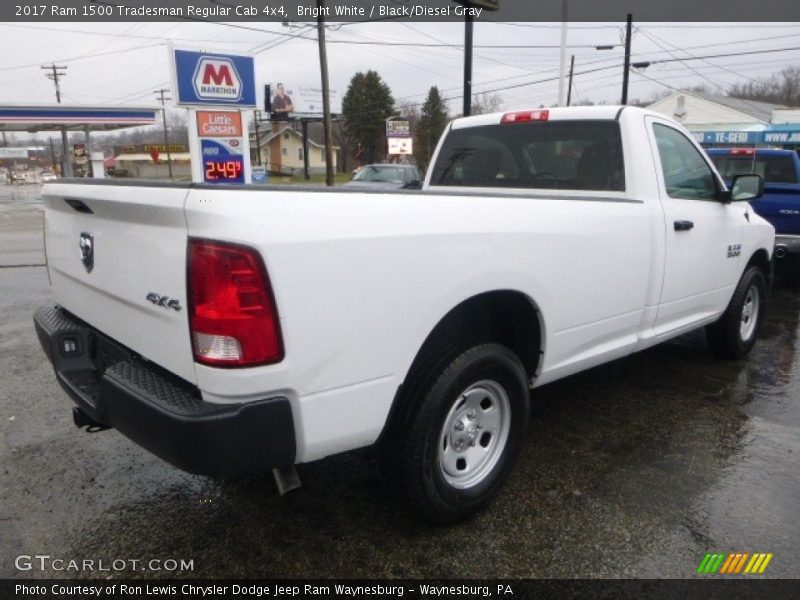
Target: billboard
{"type": "Point", "coordinates": [284, 100]}
{"type": "Point", "coordinates": [203, 78]}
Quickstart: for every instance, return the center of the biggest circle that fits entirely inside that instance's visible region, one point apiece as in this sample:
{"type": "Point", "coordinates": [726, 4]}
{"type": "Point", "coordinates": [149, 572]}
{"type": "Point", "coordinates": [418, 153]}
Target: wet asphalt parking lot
{"type": "Point", "coordinates": [633, 469]}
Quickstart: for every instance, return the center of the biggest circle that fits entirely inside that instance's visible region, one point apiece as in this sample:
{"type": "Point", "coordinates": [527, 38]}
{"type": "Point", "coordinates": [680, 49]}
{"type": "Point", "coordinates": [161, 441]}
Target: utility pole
{"type": "Point", "coordinates": [306, 174]}
{"type": "Point", "coordinates": [326, 101]}
{"type": "Point", "coordinates": [256, 117]}
{"type": "Point", "coordinates": [55, 73]}
{"type": "Point", "coordinates": [53, 154]}
{"type": "Point", "coordinates": [161, 97]}
{"type": "Point", "coordinates": [5, 144]}
{"type": "Point", "coordinates": [626, 75]}
{"type": "Point", "coordinates": [571, 75]}
{"type": "Point", "coordinates": [467, 63]}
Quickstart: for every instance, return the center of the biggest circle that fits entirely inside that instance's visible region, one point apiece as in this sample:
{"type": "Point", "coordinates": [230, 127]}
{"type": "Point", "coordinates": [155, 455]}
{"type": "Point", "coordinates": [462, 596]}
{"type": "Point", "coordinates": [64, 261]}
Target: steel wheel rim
{"type": "Point", "coordinates": [750, 308]}
{"type": "Point", "coordinates": [474, 434]}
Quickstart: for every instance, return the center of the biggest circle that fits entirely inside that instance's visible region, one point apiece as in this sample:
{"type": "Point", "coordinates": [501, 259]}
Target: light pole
{"type": "Point", "coordinates": [468, 20]}
{"type": "Point", "coordinates": [563, 60]}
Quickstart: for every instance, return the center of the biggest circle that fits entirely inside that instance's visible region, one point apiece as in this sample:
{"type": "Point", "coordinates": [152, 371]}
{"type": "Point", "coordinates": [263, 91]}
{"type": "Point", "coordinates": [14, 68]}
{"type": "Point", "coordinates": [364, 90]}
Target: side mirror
{"type": "Point", "coordinates": [413, 185]}
{"type": "Point", "coordinates": [745, 188]}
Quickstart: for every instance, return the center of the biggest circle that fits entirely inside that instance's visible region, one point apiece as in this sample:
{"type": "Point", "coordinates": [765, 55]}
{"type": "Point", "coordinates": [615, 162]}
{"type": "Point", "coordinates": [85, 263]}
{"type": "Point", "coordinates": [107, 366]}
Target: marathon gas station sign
{"type": "Point", "coordinates": [216, 87]}
{"type": "Point", "coordinates": [214, 79]}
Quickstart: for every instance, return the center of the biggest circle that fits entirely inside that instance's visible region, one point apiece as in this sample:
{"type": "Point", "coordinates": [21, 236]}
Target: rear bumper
{"type": "Point", "coordinates": [159, 411]}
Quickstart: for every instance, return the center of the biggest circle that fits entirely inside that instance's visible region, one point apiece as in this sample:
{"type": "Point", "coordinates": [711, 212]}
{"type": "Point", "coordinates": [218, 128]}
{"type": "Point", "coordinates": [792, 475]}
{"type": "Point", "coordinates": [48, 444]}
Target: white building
{"type": "Point", "coordinates": [722, 120]}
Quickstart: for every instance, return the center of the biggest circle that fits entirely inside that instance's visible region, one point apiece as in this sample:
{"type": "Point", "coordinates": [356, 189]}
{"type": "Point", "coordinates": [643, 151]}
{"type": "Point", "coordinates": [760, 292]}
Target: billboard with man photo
{"type": "Point", "coordinates": [284, 100]}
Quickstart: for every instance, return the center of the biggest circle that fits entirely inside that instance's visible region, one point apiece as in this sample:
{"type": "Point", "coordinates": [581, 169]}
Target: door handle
{"type": "Point", "coordinates": [683, 225]}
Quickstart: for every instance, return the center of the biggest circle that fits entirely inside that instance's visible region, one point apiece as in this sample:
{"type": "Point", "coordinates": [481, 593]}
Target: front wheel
{"type": "Point", "coordinates": [734, 334]}
{"type": "Point", "coordinates": [464, 433]}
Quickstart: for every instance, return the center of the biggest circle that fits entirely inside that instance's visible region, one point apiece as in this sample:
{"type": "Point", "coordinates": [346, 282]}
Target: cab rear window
{"type": "Point", "coordinates": [554, 155]}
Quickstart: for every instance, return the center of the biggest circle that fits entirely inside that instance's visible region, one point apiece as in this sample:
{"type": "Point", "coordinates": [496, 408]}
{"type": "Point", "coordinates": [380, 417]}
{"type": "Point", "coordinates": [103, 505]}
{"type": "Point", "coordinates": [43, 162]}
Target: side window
{"type": "Point", "coordinates": [686, 173]}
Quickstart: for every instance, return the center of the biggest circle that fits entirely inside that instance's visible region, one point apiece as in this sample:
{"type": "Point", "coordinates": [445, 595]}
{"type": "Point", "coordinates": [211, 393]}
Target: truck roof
{"type": "Point", "coordinates": [559, 113]}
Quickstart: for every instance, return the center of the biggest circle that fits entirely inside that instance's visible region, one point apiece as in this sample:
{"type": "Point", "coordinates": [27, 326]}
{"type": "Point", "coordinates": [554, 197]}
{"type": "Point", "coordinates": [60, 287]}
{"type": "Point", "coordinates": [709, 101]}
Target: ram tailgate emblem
{"type": "Point", "coordinates": [87, 251]}
{"type": "Point", "coordinates": [164, 301]}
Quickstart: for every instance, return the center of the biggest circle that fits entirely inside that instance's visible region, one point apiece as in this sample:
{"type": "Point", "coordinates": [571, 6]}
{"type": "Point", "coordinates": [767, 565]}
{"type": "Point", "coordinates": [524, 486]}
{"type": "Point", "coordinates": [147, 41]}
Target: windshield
{"type": "Point", "coordinates": [566, 155]}
{"type": "Point", "coordinates": [774, 169]}
{"type": "Point", "coordinates": [383, 174]}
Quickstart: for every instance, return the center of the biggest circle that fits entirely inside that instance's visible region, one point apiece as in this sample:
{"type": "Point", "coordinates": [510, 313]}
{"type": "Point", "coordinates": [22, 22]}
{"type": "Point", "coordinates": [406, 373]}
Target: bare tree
{"type": "Point", "coordinates": [408, 110]}
{"type": "Point", "coordinates": [779, 88]}
{"type": "Point", "coordinates": [486, 103]}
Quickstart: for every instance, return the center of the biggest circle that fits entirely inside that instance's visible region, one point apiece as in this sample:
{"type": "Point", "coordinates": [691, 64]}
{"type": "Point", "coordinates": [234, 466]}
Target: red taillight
{"type": "Point", "coordinates": [526, 116]}
{"type": "Point", "coordinates": [232, 314]}
{"type": "Point", "coordinates": [742, 151]}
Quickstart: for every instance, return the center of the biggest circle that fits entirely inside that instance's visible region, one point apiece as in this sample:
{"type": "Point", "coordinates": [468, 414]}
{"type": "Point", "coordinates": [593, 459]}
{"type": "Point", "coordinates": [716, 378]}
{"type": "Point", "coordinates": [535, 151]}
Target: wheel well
{"type": "Point", "coordinates": [761, 259]}
{"type": "Point", "coordinates": [504, 316]}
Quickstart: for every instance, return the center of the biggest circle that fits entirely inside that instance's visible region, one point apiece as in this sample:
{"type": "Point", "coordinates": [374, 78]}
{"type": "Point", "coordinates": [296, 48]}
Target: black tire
{"type": "Point", "coordinates": [733, 336]}
{"type": "Point", "coordinates": [472, 389]}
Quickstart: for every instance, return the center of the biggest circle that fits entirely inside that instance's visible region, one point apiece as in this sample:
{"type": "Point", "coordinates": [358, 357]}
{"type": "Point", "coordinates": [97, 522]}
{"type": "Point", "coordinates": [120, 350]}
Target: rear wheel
{"type": "Point", "coordinates": [461, 437]}
{"type": "Point", "coordinates": [734, 334]}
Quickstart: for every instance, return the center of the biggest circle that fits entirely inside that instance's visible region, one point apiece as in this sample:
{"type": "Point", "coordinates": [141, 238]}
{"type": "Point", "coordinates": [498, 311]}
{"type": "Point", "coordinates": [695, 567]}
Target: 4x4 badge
{"type": "Point", "coordinates": [87, 251]}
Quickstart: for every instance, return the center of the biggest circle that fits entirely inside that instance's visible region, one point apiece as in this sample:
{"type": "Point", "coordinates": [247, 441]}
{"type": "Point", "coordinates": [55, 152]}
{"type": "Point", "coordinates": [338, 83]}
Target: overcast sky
{"type": "Point", "coordinates": [122, 63]}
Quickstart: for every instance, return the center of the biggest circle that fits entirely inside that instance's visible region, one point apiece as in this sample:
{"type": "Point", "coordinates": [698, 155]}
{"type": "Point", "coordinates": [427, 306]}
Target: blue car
{"type": "Point", "coordinates": [780, 204]}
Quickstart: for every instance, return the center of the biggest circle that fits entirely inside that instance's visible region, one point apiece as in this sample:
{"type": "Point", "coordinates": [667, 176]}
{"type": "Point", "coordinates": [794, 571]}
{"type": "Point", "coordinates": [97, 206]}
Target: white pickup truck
{"type": "Point", "coordinates": [235, 329]}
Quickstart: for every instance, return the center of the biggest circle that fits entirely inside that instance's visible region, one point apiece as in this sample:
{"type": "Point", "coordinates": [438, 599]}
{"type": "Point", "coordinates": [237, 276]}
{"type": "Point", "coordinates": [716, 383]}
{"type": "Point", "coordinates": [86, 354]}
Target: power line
{"type": "Point", "coordinates": [83, 56]}
{"type": "Point", "coordinates": [653, 39]}
{"type": "Point", "coordinates": [118, 35]}
{"type": "Point", "coordinates": [645, 64]}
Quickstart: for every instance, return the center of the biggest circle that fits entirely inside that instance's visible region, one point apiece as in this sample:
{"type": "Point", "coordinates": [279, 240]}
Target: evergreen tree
{"type": "Point", "coordinates": [432, 121]}
{"type": "Point", "coordinates": [366, 105]}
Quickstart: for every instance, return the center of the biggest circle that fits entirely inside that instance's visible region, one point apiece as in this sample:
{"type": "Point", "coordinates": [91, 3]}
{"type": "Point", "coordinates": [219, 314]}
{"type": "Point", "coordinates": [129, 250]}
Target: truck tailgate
{"type": "Point", "coordinates": [131, 285]}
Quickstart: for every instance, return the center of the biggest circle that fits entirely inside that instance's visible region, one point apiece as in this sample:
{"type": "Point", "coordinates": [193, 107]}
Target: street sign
{"type": "Point", "coordinates": [207, 79]}
{"type": "Point", "coordinates": [79, 152]}
{"type": "Point", "coordinates": [11, 153]}
{"type": "Point", "coordinates": [401, 145]}
{"type": "Point", "coordinates": [398, 129]}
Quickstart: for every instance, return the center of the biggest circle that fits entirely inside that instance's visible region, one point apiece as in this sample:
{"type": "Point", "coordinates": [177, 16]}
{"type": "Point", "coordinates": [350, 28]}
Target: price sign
{"type": "Point", "coordinates": [225, 170]}
{"type": "Point", "coordinates": [222, 161]}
